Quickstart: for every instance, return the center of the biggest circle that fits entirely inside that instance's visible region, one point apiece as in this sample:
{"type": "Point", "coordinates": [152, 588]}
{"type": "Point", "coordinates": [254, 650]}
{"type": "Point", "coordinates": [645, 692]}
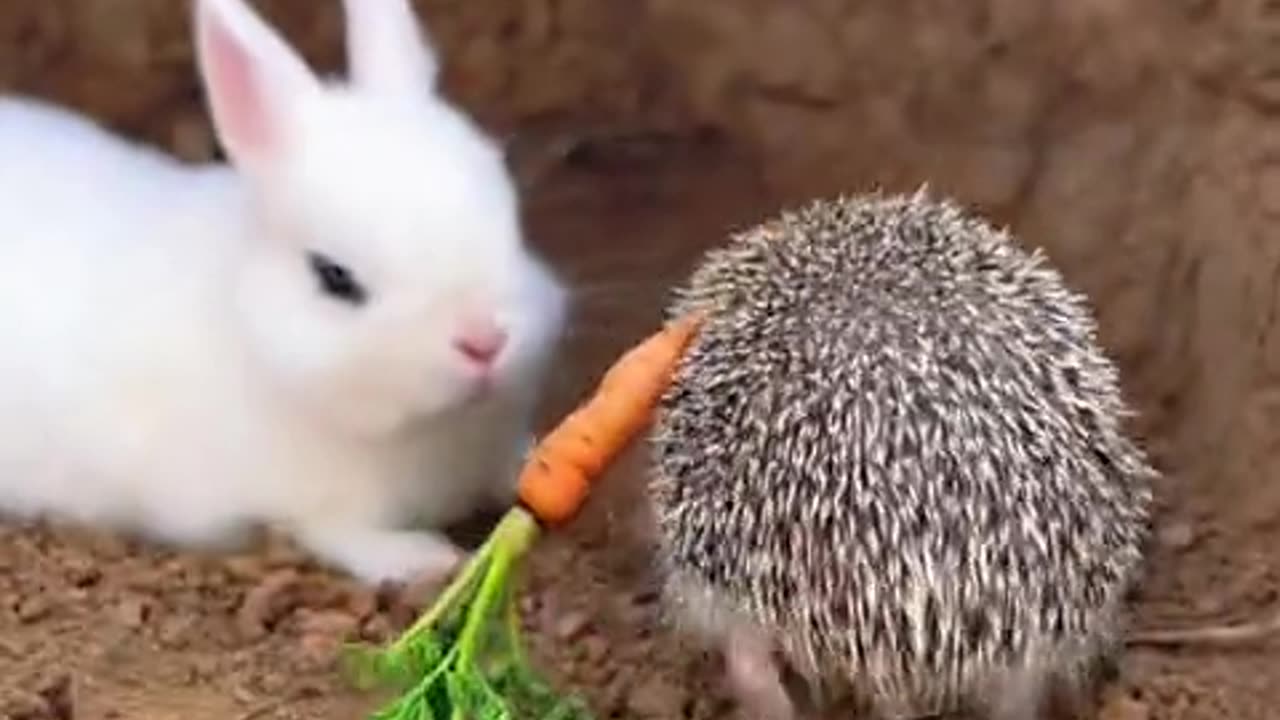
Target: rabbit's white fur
{"type": "Point", "coordinates": [170, 363]}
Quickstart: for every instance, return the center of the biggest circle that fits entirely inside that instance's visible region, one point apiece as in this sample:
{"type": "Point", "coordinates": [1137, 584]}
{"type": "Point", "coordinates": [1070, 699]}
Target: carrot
{"type": "Point", "coordinates": [557, 476]}
{"type": "Point", "coordinates": [450, 659]}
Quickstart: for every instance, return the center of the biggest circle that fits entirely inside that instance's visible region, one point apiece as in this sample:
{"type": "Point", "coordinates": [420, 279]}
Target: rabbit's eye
{"type": "Point", "coordinates": [336, 280]}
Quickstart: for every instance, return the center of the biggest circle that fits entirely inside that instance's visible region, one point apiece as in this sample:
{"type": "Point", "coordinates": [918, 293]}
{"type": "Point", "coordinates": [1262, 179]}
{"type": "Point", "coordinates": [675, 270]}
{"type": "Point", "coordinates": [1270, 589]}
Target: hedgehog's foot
{"type": "Point", "coordinates": [754, 676]}
{"type": "Point", "coordinates": [1021, 696]}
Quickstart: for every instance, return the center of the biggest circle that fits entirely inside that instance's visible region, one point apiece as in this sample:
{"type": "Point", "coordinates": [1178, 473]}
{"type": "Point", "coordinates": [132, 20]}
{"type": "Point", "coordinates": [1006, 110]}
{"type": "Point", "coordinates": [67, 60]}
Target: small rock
{"type": "Point", "coordinates": [647, 597]}
{"type": "Point", "coordinates": [528, 604]}
{"type": "Point", "coordinates": [283, 553]}
{"type": "Point", "coordinates": [273, 683]}
{"type": "Point", "coordinates": [204, 668]}
{"type": "Point", "coordinates": [656, 697]}
{"type": "Point", "coordinates": [1177, 536]}
{"type": "Point", "coordinates": [59, 694]}
{"type": "Point", "coordinates": [593, 673]}
{"type": "Point", "coordinates": [636, 611]}
{"type": "Point", "coordinates": [24, 706]}
{"type": "Point", "coordinates": [613, 697]}
{"type": "Point", "coordinates": [595, 648]}
{"type": "Point", "coordinates": [244, 695]}
{"type": "Point", "coordinates": [265, 603]}
{"type": "Point", "coordinates": [1122, 707]}
{"type": "Point", "coordinates": [175, 631]}
{"type": "Point", "coordinates": [34, 608]}
{"type": "Point", "coordinates": [329, 623]}
{"type": "Point", "coordinates": [107, 546]}
{"type": "Point", "coordinates": [308, 690]}
{"type": "Point", "coordinates": [571, 625]}
{"type": "Point", "coordinates": [317, 591]}
{"type": "Point", "coordinates": [361, 602]}
{"type": "Point", "coordinates": [12, 649]}
{"type": "Point", "coordinates": [132, 612]}
{"type": "Point", "coordinates": [178, 570]}
{"type": "Point", "coordinates": [245, 567]}
{"type": "Point", "coordinates": [81, 571]}
{"type": "Point", "coordinates": [319, 651]}
{"type": "Point", "coordinates": [377, 628]}
{"type": "Point", "coordinates": [149, 580]}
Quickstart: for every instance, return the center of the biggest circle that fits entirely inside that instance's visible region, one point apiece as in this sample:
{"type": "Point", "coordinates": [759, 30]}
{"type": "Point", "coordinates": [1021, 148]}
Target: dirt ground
{"type": "Point", "coordinates": [1138, 143]}
{"type": "Point", "coordinates": [95, 627]}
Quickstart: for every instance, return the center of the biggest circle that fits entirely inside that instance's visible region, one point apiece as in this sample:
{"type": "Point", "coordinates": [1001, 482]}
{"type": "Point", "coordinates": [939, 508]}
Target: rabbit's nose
{"type": "Point", "coordinates": [480, 342]}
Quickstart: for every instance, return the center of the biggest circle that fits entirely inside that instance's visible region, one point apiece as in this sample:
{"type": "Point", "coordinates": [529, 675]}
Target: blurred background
{"type": "Point", "coordinates": [1137, 143]}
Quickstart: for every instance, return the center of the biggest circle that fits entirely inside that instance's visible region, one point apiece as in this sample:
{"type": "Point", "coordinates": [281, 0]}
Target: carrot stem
{"type": "Point", "coordinates": [513, 536]}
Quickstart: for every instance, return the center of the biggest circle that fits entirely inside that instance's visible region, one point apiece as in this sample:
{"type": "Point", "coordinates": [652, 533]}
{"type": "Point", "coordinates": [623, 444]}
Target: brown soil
{"type": "Point", "coordinates": [1137, 142]}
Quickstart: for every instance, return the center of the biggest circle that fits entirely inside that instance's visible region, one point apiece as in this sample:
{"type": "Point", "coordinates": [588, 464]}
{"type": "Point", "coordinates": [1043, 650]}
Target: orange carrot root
{"type": "Point", "coordinates": [556, 479]}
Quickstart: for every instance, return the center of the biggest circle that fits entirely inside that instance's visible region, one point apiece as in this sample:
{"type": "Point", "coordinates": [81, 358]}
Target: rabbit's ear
{"type": "Point", "coordinates": [254, 81]}
{"type": "Point", "coordinates": [388, 52]}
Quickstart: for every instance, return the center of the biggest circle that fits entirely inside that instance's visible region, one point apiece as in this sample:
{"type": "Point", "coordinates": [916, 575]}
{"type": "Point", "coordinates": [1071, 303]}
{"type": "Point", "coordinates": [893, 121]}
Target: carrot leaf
{"type": "Point", "coordinates": [463, 659]}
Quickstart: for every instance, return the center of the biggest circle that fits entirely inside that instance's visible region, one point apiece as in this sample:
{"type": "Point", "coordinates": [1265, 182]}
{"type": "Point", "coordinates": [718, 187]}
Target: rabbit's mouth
{"type": "Point", "coordinates": [469, 391]}
{"type": "Point", "coordinates": [478, 389]}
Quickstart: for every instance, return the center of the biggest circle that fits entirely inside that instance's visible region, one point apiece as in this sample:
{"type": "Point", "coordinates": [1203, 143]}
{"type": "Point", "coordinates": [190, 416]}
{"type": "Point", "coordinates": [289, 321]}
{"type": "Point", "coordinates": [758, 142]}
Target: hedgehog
{"type": "Point", "coordinates": [895, 455]}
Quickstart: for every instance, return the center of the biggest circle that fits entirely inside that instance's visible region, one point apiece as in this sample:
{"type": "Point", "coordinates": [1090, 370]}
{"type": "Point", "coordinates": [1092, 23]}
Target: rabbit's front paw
{"type": "Point", "coordinates": [375, 556]}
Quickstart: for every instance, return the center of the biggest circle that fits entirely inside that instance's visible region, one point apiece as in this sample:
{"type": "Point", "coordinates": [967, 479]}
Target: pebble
{"type": "Point", "coordinates": [34, 608]}
{"type": "Point", "coordinates": [376, 629]}
{"type": "Point", "coordinates": [328, 623]}
{"type": "Point", "coordinates": [132, 612]}
{"type": "Point", "coordinates": [245, 567]}
{"type": "Point", "coordinates": [529, 604]}
{"type": "Point", "coordinates": [263, 603]}
{"type": "Point", "coordinates": [318, 651]}
{"type": "Point", "coordinates": [1177, 536]}
{"type": "Point", "coordinates": [637, 611]}
{"type": "Point", "coordinates": [204, 667]}
{"type": "Point", "coordinates": [571, 625]}
{"type": "Point", "coordinates": [656, 697]}
{"type": "Point", "coordinates": [595, 648]}
{"type": "Point", "coordinates": [59, 696]}
{"type": "Point", "coordinates": [244, 695]}
{"type": "Point", "coordinates": [148, 580]}
{"type": "Point", "coordinates": [81, 571]}
{"type": "Point", "coordinates": [281, 553]}
{"type": "Point", "coordinates": [1119, 707]}
{"type": "Point", "coordinates": [175, 632]}
{"type": "Point", "coordinates": [107, 546]}
{"type": "Point", "coordinates": [272, 683]}
{"type": "Point", "coordinates": [23, 705]}
{"type": "Point", "coordinates": [361, 602]}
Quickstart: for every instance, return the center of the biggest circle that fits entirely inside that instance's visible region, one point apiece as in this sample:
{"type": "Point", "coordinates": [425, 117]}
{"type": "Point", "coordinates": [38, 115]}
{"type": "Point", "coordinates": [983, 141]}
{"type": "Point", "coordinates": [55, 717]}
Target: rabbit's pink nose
{"type": "Point", "coordinates": [481, 342]}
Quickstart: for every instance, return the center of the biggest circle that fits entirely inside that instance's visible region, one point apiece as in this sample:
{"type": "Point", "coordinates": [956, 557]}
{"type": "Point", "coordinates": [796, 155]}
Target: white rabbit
{"type": "Point", "coordinates": [341, 333]}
